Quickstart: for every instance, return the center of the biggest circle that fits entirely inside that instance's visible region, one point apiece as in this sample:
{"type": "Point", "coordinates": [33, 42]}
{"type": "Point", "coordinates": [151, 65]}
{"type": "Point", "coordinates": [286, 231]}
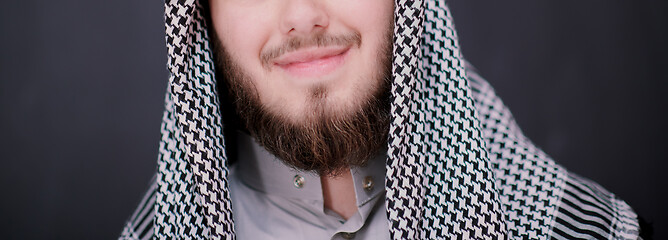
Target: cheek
{"type": "Point", "coordinates": [368, 14]}
{"type": "Point", "coordinates": [241, 32]}
{"type": "Point", "coordinates": [373, 19]}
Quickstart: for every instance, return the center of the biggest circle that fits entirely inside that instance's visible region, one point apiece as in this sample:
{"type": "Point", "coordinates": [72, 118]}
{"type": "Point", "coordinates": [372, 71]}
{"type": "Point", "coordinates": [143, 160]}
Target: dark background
{"type": "Point", "coordinates": [82, 86]}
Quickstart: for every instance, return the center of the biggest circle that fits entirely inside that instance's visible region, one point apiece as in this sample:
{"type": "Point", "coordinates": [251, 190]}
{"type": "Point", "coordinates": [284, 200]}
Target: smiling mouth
{"type": "Point", "coordinates": [312, 62]}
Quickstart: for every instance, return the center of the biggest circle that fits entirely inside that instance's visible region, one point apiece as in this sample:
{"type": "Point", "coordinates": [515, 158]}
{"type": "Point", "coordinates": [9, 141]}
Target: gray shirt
{"type": "Point", "coordinates": [273, 201]}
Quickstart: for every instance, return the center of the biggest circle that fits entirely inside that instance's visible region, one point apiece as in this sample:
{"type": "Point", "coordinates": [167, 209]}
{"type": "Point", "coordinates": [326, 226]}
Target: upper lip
{"type": "Point", "coordinates": [309, 54]}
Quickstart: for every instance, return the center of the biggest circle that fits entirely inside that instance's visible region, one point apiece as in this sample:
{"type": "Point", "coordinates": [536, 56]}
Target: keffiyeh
{"type": "Point", "coordinates": [458, 165]}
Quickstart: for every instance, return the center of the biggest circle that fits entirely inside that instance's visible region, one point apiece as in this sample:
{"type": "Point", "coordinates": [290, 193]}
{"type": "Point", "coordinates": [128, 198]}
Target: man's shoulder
{"type": "Point", "coordinates": [587, 209]}
{"type": "Point", "coordinates": [537, 192]}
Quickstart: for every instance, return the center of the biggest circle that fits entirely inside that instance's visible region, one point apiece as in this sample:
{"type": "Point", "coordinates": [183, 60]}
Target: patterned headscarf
{"type": "Point", "coordinates": [458, 166]}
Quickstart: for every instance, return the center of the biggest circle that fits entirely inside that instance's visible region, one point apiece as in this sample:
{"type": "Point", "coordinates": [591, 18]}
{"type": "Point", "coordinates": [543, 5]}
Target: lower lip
{"type": "Point", "coordinates": [315, 68]}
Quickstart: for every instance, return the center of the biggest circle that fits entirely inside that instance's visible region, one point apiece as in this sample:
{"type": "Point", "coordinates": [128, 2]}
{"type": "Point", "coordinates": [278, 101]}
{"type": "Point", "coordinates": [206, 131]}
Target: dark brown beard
{"type": "Point", "coordinates": [325, 142]}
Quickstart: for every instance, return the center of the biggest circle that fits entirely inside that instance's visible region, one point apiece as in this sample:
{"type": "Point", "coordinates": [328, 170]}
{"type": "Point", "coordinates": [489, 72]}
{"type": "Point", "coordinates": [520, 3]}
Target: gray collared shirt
{"type": "Point", "coordinates": [273, 201]}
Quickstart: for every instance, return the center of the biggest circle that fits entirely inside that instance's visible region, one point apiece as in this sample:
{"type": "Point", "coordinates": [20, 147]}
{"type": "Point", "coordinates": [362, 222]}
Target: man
{"type": "Point", "coordinates": [348, 119]}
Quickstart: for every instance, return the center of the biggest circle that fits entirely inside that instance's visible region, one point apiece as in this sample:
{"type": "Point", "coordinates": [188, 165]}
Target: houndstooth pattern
{"type": "Point", "coordinates": [470, 172]}
{"type": "Point", "coordinates": [404, 171]}
{"type": "Point", "coordinates": [177, 209]}
{"type": "Point", "coordinates": [458, 165]}
{"type": "Point", "coordinates": [529, 181]}
{"type": "Point", "coordinates": [197, 118]}
{"type": "Point", "coordinates": [435, 137]}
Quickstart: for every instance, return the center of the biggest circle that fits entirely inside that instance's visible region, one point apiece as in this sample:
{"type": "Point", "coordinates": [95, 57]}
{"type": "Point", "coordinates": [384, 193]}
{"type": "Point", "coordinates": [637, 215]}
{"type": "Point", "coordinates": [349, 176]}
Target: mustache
{"type": "Point", "coordinates": [316, 40]}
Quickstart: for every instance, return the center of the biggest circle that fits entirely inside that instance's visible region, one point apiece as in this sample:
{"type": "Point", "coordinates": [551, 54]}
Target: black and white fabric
{"type": "Point", "coordinates": [458, 165]}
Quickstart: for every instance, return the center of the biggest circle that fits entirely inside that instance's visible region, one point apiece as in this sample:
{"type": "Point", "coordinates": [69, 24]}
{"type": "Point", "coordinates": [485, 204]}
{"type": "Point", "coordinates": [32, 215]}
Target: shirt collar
{"type": "Point", "coordinates": [262, 171]}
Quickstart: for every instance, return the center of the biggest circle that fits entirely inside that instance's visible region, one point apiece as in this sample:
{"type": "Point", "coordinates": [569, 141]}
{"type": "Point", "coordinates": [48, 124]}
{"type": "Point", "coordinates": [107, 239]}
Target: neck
{"type": "Point", "coordinates": [339, 194]}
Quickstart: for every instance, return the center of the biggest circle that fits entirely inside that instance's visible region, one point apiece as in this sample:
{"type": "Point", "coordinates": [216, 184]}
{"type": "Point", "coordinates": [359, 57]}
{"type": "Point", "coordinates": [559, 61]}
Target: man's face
{"type": "Point", "coordinates": [306, 57]}
{"type": "Point", "coordinates": [309, 78]}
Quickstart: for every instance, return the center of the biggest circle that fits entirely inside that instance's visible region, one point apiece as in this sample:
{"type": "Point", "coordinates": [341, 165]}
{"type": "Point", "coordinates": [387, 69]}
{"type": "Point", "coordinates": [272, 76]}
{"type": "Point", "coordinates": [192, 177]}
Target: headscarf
{"type": "Point", "coordinates": [458, 166]}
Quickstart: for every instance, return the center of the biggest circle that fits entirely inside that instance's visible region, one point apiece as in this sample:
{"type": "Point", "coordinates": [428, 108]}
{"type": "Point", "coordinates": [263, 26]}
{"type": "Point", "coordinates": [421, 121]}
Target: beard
{"type": "Point", "coordinates": [325, 141]}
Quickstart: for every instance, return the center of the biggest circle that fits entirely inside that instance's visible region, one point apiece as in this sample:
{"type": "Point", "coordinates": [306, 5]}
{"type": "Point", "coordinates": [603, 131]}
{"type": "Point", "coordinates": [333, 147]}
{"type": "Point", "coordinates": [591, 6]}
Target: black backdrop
{"type": "Point", "coordinates": [82, 85]}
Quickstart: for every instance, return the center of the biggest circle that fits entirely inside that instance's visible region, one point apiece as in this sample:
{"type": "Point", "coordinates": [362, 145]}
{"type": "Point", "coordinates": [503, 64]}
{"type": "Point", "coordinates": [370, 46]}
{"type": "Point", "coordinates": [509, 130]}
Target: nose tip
{"type": "Point", "coordinates": [303, 17]}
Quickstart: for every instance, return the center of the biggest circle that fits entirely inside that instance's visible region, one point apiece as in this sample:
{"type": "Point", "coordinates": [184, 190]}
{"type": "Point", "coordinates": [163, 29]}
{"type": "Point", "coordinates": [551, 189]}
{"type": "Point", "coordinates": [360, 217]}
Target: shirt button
{"type": "Point", "coordinates": [368, 183]}
{"type": "Point", "coordinates": [348, 235]}
{"type": "Point", "coordinates": [299, 181]}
